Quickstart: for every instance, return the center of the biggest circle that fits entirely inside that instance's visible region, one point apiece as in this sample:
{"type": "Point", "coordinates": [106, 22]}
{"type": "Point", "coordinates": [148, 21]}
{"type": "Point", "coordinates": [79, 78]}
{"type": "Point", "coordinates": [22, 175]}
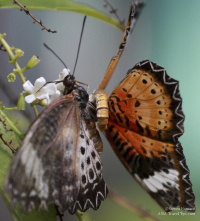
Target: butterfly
{"type": "Point", "coordinates": [143, 120]}
{"type": "Point", "coordinates": [58, 161]}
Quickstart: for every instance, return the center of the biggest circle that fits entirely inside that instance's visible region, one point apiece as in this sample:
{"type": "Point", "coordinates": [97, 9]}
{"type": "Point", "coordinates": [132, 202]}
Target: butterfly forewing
{"type": "Point", "coordinates": [50, 165]}
{"type": "Point", "coordinates": [145, 122]}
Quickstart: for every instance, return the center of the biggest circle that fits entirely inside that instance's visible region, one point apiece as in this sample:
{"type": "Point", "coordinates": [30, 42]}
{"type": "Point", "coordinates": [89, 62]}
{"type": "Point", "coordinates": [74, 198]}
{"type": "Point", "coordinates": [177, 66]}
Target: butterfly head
{"type": "Point", "coordinates": [69, 83]}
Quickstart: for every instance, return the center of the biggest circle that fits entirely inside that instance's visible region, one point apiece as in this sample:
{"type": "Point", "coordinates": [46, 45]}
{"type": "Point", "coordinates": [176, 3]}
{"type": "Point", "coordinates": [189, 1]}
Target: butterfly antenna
{"type": "Point", "coordinates": [55, 55]}
{"type": "Point", "coordinates": [79, 44]}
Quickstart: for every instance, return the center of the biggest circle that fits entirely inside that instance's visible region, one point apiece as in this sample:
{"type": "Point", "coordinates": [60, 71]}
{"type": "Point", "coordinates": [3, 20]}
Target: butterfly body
{"type": "Point", "coordinates": [58, 161]}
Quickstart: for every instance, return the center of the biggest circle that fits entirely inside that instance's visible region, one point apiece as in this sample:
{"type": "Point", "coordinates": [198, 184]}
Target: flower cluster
{"type": "Point", "coordinates": [43, 90]}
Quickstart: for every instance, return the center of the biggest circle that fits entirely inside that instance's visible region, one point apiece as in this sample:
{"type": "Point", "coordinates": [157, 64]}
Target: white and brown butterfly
{"type": "Point", "coordinates": [58, 161]}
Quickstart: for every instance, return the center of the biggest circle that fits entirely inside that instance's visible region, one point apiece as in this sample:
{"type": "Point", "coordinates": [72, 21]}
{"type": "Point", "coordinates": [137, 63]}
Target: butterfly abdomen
{"type": "Point", "coordinates": [101, 101]}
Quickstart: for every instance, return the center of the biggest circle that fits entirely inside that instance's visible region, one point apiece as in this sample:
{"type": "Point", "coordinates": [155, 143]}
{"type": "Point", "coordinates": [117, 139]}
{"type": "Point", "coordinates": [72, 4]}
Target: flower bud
{"type": "Point", "coordinates": [32, 62]}
{"type": "Point", "coordinates": [11, 77]}
{"type": "Point", "coordinates": [43, 102]}
{"type": "Point", "coordinates": [18, 53]}
{"type": "Point", "coordinates": [21, 102]}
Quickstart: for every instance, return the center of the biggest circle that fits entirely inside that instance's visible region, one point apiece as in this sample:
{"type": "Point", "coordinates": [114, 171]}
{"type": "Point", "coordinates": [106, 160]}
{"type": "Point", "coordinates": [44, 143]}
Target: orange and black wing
{"type": "Point", "coordinates": [145, 122]}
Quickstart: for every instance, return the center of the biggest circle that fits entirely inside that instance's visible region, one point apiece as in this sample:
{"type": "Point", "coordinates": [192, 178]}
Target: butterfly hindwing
{"type": "Point", "coordinates": [92, 187]}
{"type": "Point", "coordinates": [47, 167]}
{"type": "Point", "coordinates": [145, 122]}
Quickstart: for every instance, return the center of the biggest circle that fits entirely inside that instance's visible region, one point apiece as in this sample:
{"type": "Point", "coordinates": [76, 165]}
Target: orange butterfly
{"type": "Point", "coordinates": [143, 120]}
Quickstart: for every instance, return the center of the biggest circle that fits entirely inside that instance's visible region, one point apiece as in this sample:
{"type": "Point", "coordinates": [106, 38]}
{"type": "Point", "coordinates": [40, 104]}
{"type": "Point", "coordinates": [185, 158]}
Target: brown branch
{"type": "Point", "coordinates": [23, 8]}
{"type": "Point", "coordinates": [130, 206]}
{"type": "Point", "coordinates": [4, 125]}
{"type": "Point", "coordinates": [8, 144]}
{"type": "Point", "coordinates": [58, 213]}
{"type": "Point", "coordinates": [114, 11]}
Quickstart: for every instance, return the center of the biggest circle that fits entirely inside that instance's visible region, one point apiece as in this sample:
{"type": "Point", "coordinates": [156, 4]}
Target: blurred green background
{"type": "Point", "coordinates": [168, 33]}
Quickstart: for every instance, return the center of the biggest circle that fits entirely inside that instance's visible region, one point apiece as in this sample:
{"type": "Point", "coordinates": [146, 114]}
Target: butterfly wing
{"type": "Point", "coordinates": [51, 166]}
{"type": "Point", "coordinates": [145, 122]}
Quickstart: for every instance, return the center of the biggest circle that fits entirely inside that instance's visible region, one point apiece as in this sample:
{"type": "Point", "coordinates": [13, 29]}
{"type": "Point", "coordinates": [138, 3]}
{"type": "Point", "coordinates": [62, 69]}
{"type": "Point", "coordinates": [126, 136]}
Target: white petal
{"type": "Point", "coordinates": [41, 95]}
{"type": "Point", "coordinates": [28, 86]}
{"type": "Point", "coordinates": [64, 73]}
{"type": "Point", "coordinates": [60, 87]}
{"type": "Point", "coordinates": [50, 89]}
{"type": "Point", "coordinates": [30, 98]}
{"type": "Point", "coordinates": [54, 96]}
{"type": "Point", "coordinates": [39, 83]}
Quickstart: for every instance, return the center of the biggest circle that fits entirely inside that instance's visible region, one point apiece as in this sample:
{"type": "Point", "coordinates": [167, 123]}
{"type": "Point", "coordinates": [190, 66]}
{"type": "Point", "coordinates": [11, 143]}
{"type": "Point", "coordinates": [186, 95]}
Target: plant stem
{"type": "Point", "coordinates": [79, 215]}
{"type": "Point", "coordinates": [35, 110]}
{"type": "Point", "coordinates": [130, 206]}
{"type": "Point", "coordinates": [9, 108]}
{"type": "Point", "coordinates": [18, 133]}
{"type": "Point", "coordinates": [12, 57]}
{"type": "Point", "coordinates": [17, 67]}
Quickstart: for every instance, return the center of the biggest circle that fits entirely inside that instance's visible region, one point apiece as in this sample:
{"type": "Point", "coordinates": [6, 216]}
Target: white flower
{"type": "Point", "coordinates": [48, 92]}
{"type": "Point", "coordinates": [62, 75]}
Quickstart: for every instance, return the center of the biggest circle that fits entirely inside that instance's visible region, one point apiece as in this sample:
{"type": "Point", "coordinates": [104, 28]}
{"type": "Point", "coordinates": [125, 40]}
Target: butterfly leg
{"type": "Point", "coordinates": [134, 14]}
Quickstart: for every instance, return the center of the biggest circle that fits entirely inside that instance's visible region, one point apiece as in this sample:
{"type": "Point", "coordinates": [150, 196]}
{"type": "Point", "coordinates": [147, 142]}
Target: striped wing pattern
{"type": "Point", "coordinates": [57, 162]}
{"type": "Point", "coordinates": [145, 122]}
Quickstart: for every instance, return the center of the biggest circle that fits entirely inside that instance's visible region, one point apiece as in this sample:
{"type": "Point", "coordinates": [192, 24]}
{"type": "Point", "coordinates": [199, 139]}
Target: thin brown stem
{"type": "Point", "coordinates": [23, 8]}
{"type": "Point", "coordinates": [114, 11]}
{"type": "Point", "coordinates": [8, 144]}
{"type": "Point", "coordinates": [130, 206]}
{"type": "Point", "coordinates": [4, 125]}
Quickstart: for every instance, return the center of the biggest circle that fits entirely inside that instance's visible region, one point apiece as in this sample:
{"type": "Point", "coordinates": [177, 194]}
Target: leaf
{"type": "Point", "coordinates": [5, 152]}
{"type": "Point", "coordinates": [42, 215]}
{"type": "Point", "coordinates": [62, 5]}
{"type": "Point", "coordinates": [5, 158]}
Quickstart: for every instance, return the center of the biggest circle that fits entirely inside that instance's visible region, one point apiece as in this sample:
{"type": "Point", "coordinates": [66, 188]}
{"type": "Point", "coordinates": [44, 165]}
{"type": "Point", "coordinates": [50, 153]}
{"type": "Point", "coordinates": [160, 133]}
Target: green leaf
{"type": "Point", "coordinates": [42, 215]}
{"type": "Point", "coordinates": [63, 5]}
{"type": "Point", "coordinates": [5, 158]}
{"type": "Point", "coordinates": [5, 153]}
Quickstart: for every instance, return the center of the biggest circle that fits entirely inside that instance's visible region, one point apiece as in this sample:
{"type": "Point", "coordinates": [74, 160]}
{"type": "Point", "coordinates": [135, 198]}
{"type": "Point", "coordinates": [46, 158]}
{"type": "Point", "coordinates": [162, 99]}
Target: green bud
{"type": "Point", "coordinates": [43, 102]}
{"type": "Point", "coordinates": [18, 53]}
{"type": "Point", "coordinates": [2, 35]}
{"type": "Point", "coordinates": [32, 62]}
{"type": "Point", "coordinates": [39, 102]}
{"type": "Point", "coordinates": [11, 77]}
{"type": "Point", "coordinates": [21, 102]}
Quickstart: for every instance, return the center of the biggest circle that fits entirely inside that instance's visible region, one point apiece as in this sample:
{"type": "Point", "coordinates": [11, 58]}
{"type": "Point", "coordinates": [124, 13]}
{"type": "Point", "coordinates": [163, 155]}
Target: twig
{"type": "Point", "coordinates": [130, 206]}
{"type": "Point", "coordinates": [58, 213]}
{"type": "Point", "coordinates": [23, 8]}
{"type": "Point", "coordinates": [4, 125]}
{"type": "Point", "coordinates": [114, 11]}
{"type": "Point", "coordinates": [8, 144]}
